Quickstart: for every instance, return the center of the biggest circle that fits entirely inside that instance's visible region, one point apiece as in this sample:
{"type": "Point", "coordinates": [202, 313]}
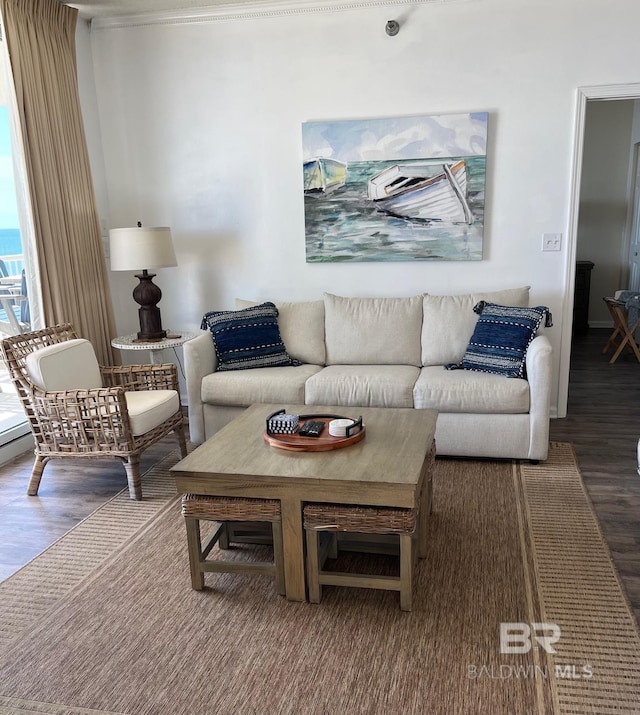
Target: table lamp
{"type": "Point", "coordinates": [141, 248]}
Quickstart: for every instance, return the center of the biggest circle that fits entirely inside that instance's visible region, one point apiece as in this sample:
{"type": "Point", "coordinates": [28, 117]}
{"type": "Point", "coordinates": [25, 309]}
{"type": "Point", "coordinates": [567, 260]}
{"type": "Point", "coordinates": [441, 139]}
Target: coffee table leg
{"type": "Point", "coordinates": [194, 545]}
{"type": "Point", "coordinates": [424, 513]}
{"type": "Point", "coordinates": [293, 547]}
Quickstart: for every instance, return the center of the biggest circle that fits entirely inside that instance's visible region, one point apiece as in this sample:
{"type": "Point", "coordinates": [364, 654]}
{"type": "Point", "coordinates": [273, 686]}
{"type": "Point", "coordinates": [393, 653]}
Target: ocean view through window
{"type": "Point", "coordinates": [13, 311]}
{"type": "Point", "coordinates": [14, 306]}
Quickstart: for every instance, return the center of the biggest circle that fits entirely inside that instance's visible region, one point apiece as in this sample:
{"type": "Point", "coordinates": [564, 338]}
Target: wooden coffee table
{"type": "Point", "coordinates": [387, 468]}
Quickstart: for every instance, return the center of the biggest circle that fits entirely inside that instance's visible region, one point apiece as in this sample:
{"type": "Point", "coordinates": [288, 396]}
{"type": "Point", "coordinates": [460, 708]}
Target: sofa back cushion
{"type": "Point", "coordinates": [373, 331]}
{"type": "Point", "coordinates": [70, 365]}
{"type": "Point", "coordinates": [248, 338]}
{"type": "Point", "coordinates": [449, 322]}
{"type": "Point", "coordinates": [301, 327]}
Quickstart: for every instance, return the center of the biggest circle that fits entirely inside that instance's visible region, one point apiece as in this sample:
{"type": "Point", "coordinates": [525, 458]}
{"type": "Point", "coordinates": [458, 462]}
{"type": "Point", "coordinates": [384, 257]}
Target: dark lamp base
{"type": "Point", "coordinates": [151, 335]}
{"type": "Point", "coordinates": [147, 294]}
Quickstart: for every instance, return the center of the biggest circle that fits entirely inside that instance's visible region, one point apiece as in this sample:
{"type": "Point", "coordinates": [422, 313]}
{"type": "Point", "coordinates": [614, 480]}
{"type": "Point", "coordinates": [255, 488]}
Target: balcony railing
{"type": "Point", "coordinates": [14, 303]}
{"type": "Point", "coordinates": [14, 264]}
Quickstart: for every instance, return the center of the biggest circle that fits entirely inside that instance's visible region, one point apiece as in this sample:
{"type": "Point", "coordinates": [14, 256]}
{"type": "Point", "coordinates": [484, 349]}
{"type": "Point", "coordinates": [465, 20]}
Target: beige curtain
{"type": "Point", "coordinates": [40, 36]}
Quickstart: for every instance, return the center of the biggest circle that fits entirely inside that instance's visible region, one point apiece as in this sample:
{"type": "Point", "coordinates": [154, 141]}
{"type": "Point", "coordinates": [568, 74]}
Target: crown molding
{"type": "Point", "coordinates": [251, 9]}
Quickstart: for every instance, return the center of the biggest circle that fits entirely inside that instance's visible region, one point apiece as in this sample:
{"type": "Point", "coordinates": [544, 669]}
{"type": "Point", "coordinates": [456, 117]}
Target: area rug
{"type": "Point", "coordinates": [517, 609]}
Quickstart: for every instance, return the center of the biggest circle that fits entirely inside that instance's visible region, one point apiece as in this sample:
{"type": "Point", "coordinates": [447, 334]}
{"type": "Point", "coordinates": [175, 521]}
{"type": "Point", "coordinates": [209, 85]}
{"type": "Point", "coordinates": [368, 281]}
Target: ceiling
{"type": "Point", "coordinates": [90, 9]}
{"type": "Point", "coordinates": [113, 8]}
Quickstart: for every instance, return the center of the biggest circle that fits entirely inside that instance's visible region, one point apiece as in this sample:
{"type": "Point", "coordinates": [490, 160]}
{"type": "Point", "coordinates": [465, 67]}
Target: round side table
{"type": "Point", "coordinates": [155, 347]}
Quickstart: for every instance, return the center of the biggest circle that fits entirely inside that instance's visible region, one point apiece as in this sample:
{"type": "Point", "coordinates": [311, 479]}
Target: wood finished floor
{"type": "Point", "coordinates": [603, 424]}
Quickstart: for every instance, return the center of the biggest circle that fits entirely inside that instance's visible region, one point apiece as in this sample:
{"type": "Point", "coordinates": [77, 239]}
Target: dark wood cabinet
{"type": "Point", "coordinates": [581, 297]}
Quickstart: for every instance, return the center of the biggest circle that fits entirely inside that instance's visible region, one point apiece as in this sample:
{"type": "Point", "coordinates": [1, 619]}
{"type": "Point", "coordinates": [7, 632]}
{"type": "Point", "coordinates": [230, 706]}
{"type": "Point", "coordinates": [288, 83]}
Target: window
{"type": "Point", "coordinates": [14, 304]}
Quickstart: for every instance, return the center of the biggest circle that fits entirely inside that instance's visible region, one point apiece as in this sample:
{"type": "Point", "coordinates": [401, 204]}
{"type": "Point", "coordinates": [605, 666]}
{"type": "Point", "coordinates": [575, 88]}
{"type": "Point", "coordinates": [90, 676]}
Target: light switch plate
{"type": "Point", "coordinates": [551, 241]}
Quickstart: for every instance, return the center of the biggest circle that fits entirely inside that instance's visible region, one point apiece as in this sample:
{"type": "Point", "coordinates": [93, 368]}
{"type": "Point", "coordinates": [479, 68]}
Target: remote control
{"type": "Point", "coordinates": [311, 429]}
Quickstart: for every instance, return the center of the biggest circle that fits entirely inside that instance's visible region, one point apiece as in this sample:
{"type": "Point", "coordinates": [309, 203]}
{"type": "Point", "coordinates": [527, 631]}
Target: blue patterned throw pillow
{"type": "Point", "coordinates": [501, 337]}
{"type": "Point", "coordinates": [247, 338]}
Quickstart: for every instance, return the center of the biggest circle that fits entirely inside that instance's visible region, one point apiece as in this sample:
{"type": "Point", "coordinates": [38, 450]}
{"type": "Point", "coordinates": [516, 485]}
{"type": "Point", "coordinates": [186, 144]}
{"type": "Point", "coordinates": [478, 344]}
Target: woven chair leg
{"type": "Point", "coordinates": [406, 571]}
{"type": "Point", "coordinates": [132, 465]}
{"type": "Point", "coordinates": [182, 441]}
{"type": "Point", "coordinates": [313, 566]}
{"type": "Point", "coordinates": [36, 475]}
{"type": "Point", "coordinates": [278, 556]}
{"type": "Point", "coordinates": [194, 546]}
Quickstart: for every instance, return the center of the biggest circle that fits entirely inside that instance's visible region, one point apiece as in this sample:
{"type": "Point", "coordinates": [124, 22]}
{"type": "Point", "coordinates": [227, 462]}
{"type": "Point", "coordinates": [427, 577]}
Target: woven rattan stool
{"type": "Point", "coordinates": [409, 524]}
{"type": "Point", "coordinates": [362, 520]}
{"type": "Point", "coordinates": [196, 508]}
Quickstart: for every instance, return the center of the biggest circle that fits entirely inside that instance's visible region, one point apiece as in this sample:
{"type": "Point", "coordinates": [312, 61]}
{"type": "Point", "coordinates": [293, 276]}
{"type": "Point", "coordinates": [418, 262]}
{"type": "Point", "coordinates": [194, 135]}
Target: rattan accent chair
{"type": "Point", "coordinates": [77, 408]}
{"type": "Point", "coordinates": [196, 508]}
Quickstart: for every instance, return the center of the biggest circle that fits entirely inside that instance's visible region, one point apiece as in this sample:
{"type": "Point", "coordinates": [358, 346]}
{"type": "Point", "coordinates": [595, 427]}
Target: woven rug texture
{"type": "Point", "coordinates": [105, 620]}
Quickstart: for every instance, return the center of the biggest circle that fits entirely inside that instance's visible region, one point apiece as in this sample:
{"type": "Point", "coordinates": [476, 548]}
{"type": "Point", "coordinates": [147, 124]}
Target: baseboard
{"type": "Point", "coordinates": [601, 324]}
{"type": "Point", "coordinates": [16, 448]}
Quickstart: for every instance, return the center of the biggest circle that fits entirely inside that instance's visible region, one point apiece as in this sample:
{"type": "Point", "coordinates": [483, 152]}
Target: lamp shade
{"type": "Point", "coordinates": [140, 248]}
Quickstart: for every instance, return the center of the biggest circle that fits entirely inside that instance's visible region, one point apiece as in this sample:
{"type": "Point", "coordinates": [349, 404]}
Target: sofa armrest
{"type": "Point", "coordinates": [539, 375]}
{"type": "Point", "coordinates": [199, 361]}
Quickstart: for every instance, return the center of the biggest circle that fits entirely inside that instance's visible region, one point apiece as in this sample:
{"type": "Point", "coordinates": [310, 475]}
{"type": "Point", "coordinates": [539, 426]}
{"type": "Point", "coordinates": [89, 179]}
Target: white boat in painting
{"type": "Point", "coordinates": [430, 191]}
{"type": "Point", "coordinates": [322, 175]}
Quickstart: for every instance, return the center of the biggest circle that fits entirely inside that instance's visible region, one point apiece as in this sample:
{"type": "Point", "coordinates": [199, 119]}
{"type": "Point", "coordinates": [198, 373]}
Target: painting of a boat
{"type": "Point", "coordinates": [323, 175]}
{"type": "Point", "coordinates": [429, 191]}
{"type": "Point", "coordinates": [414, 188]}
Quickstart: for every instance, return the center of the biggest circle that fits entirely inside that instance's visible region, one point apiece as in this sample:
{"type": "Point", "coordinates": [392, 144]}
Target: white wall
{"type": "Point", "coordinates": [201, 131]}
{"type": "Point", "coordinates": [88, 100]}
{"type": "Point", "coordinates": [603, 200]}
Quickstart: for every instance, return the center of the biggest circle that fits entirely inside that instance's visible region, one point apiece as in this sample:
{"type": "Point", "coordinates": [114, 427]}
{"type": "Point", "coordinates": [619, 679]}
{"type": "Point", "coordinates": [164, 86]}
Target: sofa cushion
{"type": "Point", "coordinates": [449, 322]}
{"type": "Point", "coordinates": [501, 337]}
{"type": "Point", "coordinates": [472, 392]}
{"type": "Point", "coordinates": [301, 327]}
{"type": "Point", "coordinates": [70, 365]}
{"type": "Point", "coordinates": [372, 331]}
{"type": "Point", "coordinates": [267, 384]}
{"type": "Point", "coordinates": [363, 386]}
{"type": "Point", "coordinates": [248, 338]}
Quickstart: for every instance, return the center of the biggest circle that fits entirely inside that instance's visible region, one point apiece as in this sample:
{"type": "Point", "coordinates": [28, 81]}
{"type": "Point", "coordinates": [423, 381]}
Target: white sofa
{"type": "Point", "coordinates": [386, 352]}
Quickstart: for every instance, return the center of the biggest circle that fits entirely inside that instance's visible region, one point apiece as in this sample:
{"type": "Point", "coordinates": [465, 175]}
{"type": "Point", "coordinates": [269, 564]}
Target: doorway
{"type": "Point", "coordinates": [634, 210]}
{"type": "Point", "coordinates": [586, 96]}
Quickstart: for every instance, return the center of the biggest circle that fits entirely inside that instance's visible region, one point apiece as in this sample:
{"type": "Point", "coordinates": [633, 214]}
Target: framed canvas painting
{"type": "Point", "coordinates": [395, 189]}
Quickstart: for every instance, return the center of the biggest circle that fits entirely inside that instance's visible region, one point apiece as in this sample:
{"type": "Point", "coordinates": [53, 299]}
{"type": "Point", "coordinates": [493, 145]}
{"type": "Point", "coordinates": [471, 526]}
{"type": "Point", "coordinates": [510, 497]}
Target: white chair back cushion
{"type": "Point", "coordinates": [71, 365]}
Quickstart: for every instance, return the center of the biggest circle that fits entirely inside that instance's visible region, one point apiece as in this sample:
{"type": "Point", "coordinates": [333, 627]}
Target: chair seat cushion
{"type": "Point", "coordinates": [363, 386]}
{"type": "Point", "coordinates": [150, 408]}
{"type": "Point", "coordinates": [470, 392]}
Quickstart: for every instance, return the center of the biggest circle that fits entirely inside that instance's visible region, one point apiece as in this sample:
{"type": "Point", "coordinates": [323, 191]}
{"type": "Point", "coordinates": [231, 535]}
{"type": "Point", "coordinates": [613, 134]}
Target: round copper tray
{"type": "Point", "coordinates": [324, 443]}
